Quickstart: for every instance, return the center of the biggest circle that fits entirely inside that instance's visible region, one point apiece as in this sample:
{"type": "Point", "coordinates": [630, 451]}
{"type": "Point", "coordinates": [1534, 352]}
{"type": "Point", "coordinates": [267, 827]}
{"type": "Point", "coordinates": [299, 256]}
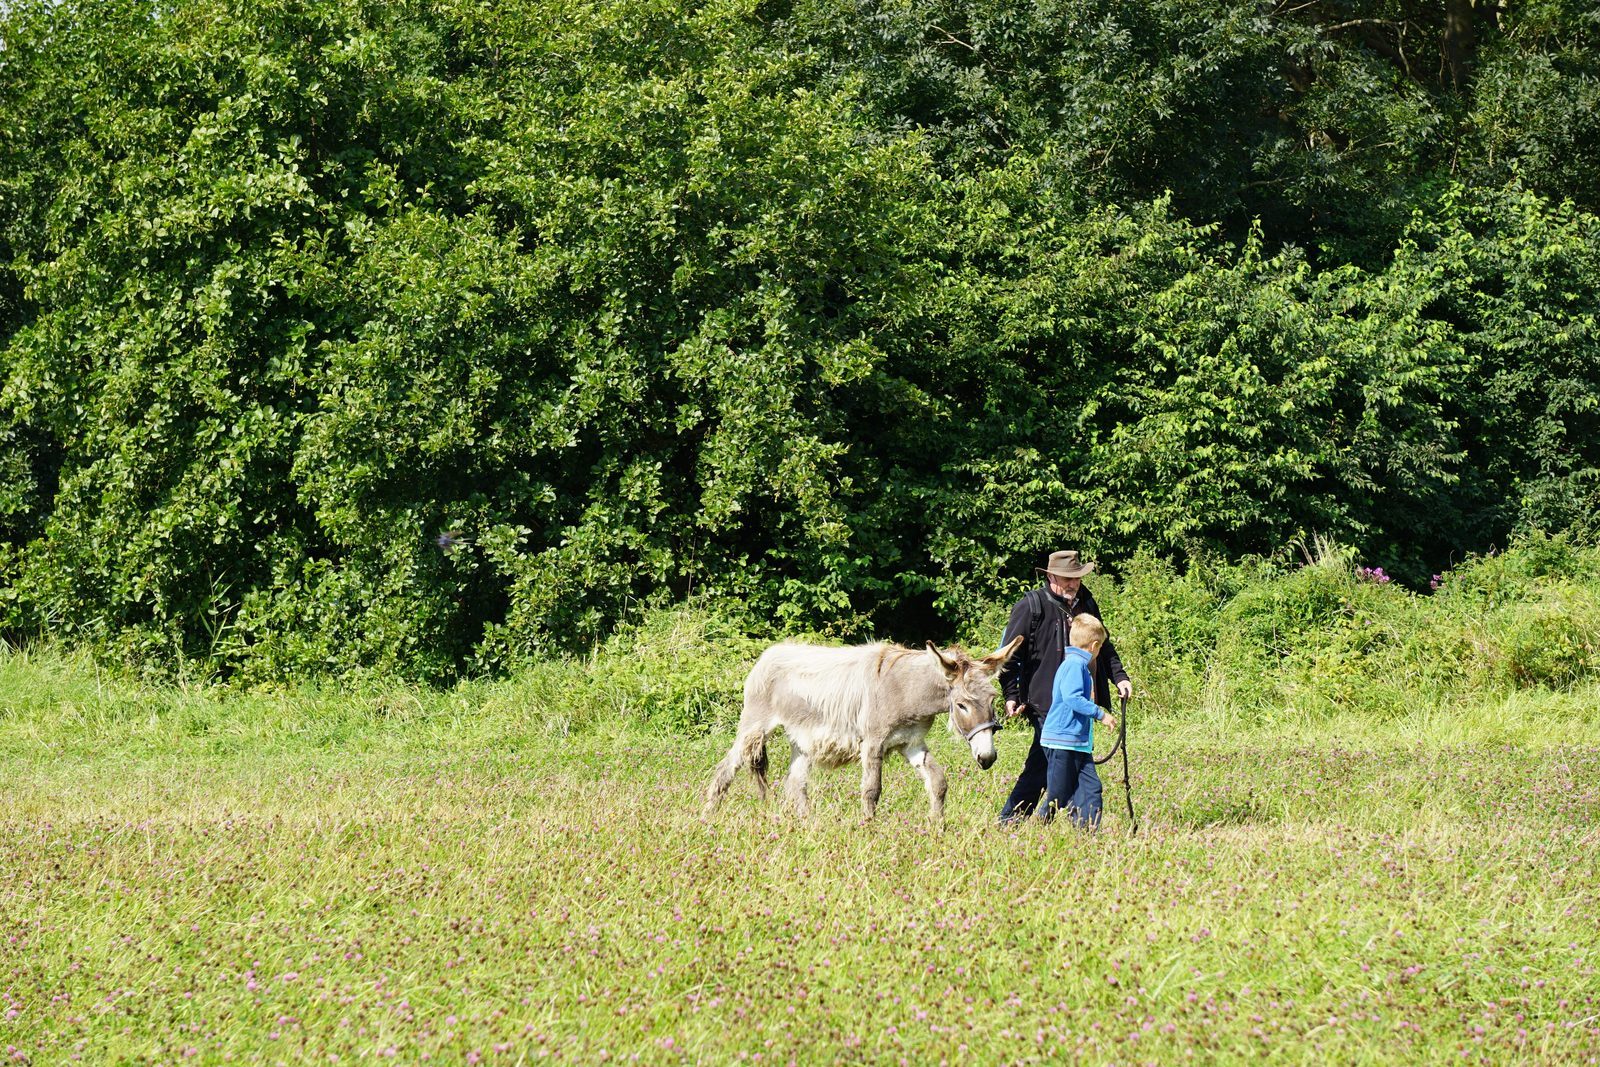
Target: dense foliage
{"type": "Point", "coordinates": [430, 334]}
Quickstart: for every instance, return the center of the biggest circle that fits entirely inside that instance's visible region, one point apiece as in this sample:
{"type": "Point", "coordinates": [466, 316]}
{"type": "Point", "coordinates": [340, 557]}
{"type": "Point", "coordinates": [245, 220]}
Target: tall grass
{"type": "Point", "coordinates": [454, 883]}
{"type": "Point", "coordinates": [1368, 836]}
{"type": "Point", "coordinates": [1508, 645]}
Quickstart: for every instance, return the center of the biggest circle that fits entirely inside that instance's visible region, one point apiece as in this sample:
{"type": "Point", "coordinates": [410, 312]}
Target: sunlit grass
{"type": "Point", "coordinates": [402, 874]}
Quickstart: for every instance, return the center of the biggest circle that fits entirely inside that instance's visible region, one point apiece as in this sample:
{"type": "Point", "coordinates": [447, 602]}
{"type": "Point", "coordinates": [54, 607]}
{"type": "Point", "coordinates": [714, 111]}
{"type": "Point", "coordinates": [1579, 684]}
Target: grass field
{"type": "Point", "coordinates": [207, 876]}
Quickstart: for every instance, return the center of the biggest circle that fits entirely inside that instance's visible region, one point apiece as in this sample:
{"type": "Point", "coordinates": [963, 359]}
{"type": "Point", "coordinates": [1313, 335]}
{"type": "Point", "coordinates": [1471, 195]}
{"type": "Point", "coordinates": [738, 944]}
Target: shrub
{"type": "Point", "coordinates": [677, 670]}
{"type": "Point", "coordinates": [1164, 622]}
{"type": "Point", "coordinates": [1269, 620]}
{"type": "Point", "coordinates": [1328, 637]}
{"type": "Point", "coordinates": [1552, 641]}
{"type": "Point", "coordinates": [1490, 579]}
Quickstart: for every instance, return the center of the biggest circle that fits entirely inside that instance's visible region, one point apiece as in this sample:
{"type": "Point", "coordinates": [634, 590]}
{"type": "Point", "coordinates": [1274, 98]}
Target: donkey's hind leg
{"type": "Point", "coordinates": [722, 778]}
{"type": "Point", "coordinates": [750, 747]}
{"type": "Point", "coordinates": [794, 785]}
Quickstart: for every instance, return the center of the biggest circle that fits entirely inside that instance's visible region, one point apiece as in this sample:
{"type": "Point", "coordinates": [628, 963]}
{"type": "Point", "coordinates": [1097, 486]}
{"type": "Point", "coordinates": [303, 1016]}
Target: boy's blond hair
{"type": "Point", "coordinates": [1087, 632]}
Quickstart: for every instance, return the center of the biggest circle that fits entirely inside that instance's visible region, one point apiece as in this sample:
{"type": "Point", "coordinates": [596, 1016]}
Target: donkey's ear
{"type": "Point", "coordinates": [952, 668]}
{"type": "Point", "coordinates": [996, 660]}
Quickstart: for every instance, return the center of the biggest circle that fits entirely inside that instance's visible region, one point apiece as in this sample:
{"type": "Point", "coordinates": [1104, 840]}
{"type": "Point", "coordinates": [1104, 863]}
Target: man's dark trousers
{"type": "Point", "coordinates": [1030, 783]}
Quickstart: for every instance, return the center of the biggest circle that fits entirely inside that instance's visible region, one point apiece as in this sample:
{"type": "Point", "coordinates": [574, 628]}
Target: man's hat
{"type": "Point", "coordinates": [1066, 565]}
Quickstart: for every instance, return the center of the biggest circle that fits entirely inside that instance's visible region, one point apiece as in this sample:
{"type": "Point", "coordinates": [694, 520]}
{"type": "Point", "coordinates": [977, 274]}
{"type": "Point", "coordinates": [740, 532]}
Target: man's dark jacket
{"type": "Point", "coordinates": [1031, 673]}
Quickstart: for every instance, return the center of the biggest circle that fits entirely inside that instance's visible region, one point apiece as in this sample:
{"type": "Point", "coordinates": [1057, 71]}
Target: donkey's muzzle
{"type": "Point", "coordinates": [980, 739]}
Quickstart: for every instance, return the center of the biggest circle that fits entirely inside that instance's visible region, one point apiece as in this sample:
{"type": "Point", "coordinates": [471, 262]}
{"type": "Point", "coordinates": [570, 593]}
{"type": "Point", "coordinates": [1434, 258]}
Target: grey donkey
{"type": "Point", "coordinates": [839, 705]}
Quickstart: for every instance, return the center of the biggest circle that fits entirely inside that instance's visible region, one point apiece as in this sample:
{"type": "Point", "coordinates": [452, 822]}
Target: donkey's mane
{"type": "Point", "coordinates": [889, 655]}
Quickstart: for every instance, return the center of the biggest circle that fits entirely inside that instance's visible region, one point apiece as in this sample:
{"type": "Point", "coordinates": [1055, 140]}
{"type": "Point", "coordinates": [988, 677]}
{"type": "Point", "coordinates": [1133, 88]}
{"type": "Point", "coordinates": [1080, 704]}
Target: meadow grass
{"type": "Point", "coordinates": [209, 875]}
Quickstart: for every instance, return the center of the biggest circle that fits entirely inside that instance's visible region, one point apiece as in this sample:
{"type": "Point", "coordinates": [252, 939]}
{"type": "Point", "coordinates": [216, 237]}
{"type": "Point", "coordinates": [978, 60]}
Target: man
{"type": "Point", "coordinates": [1044, 618]}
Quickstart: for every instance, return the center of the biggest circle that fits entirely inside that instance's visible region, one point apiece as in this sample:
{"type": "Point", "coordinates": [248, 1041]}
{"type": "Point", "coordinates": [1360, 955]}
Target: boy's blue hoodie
{"type": "Point", "coordinates": [1073, 712]}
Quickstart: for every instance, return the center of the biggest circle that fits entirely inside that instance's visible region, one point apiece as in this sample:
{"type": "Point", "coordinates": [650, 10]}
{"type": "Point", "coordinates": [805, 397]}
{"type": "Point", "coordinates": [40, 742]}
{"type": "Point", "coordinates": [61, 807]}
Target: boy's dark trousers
{"type": "Point", "coordinates": [1036, 779]}
{"type": "Point", "coordinates": [1072, 785]}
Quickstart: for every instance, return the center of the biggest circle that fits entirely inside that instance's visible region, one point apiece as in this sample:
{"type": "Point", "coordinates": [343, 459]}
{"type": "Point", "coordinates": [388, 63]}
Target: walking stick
{"type": "Point", "coordinates": [1122, 743]}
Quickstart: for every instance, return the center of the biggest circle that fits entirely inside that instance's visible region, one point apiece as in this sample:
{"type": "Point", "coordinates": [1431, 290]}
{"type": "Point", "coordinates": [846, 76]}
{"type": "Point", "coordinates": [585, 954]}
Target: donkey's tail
{"type": "Point", "coordinates": [755, 754]}
{"type": "Point", "coordinates": [749, 748]}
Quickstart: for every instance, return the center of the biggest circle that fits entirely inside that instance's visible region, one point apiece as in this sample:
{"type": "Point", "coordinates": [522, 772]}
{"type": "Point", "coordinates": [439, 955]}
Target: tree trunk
{"type": "Point", "coordinates": [1460, 41]}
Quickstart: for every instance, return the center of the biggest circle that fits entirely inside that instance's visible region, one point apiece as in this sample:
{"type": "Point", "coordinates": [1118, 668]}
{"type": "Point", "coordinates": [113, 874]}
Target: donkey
{"type": "Point", "coordinates": [839, 705]}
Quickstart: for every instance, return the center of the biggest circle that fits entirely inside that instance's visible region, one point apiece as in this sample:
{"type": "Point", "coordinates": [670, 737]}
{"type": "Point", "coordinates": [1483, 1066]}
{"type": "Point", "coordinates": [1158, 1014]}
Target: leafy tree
{"type": "Point", "coordinates": [413, 337]}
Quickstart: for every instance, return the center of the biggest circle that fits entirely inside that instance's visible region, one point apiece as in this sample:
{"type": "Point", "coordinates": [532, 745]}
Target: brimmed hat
{"type": "Point", "coordinates": [1066, 565]}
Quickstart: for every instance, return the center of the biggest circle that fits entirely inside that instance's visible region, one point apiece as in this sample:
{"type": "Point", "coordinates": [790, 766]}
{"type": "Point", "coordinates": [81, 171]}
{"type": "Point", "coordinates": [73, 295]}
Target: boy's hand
{"type": "Point", "coordinates": [1109, 721]}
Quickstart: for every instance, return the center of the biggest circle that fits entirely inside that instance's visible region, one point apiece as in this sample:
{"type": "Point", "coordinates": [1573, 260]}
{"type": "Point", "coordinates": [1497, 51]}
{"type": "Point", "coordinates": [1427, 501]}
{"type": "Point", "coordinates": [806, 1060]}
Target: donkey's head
{"type": "Point", "coordinates": [972, 696]}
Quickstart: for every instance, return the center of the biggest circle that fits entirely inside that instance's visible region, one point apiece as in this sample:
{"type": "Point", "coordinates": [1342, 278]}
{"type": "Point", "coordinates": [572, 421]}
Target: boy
{"type": "Point", "coordinates": [1068, 734]}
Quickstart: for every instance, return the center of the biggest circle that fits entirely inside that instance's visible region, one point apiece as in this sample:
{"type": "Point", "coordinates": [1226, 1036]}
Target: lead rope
{"type": "Point", "coordinates": [1122, 743]}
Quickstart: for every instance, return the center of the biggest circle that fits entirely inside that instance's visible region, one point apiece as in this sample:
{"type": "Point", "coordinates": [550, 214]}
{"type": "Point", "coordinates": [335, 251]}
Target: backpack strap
{"type": "Point", "coordinates": [1035, 617]}
{"type": "Point", "coordinates": [1037, 607]}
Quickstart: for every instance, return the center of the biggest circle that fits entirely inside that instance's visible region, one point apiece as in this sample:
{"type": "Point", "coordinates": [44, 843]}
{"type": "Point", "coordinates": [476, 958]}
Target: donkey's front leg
{"type": "Point", "coordinates": [932, 776]}
{"type": "Point", "coordinates": [871, 776]}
